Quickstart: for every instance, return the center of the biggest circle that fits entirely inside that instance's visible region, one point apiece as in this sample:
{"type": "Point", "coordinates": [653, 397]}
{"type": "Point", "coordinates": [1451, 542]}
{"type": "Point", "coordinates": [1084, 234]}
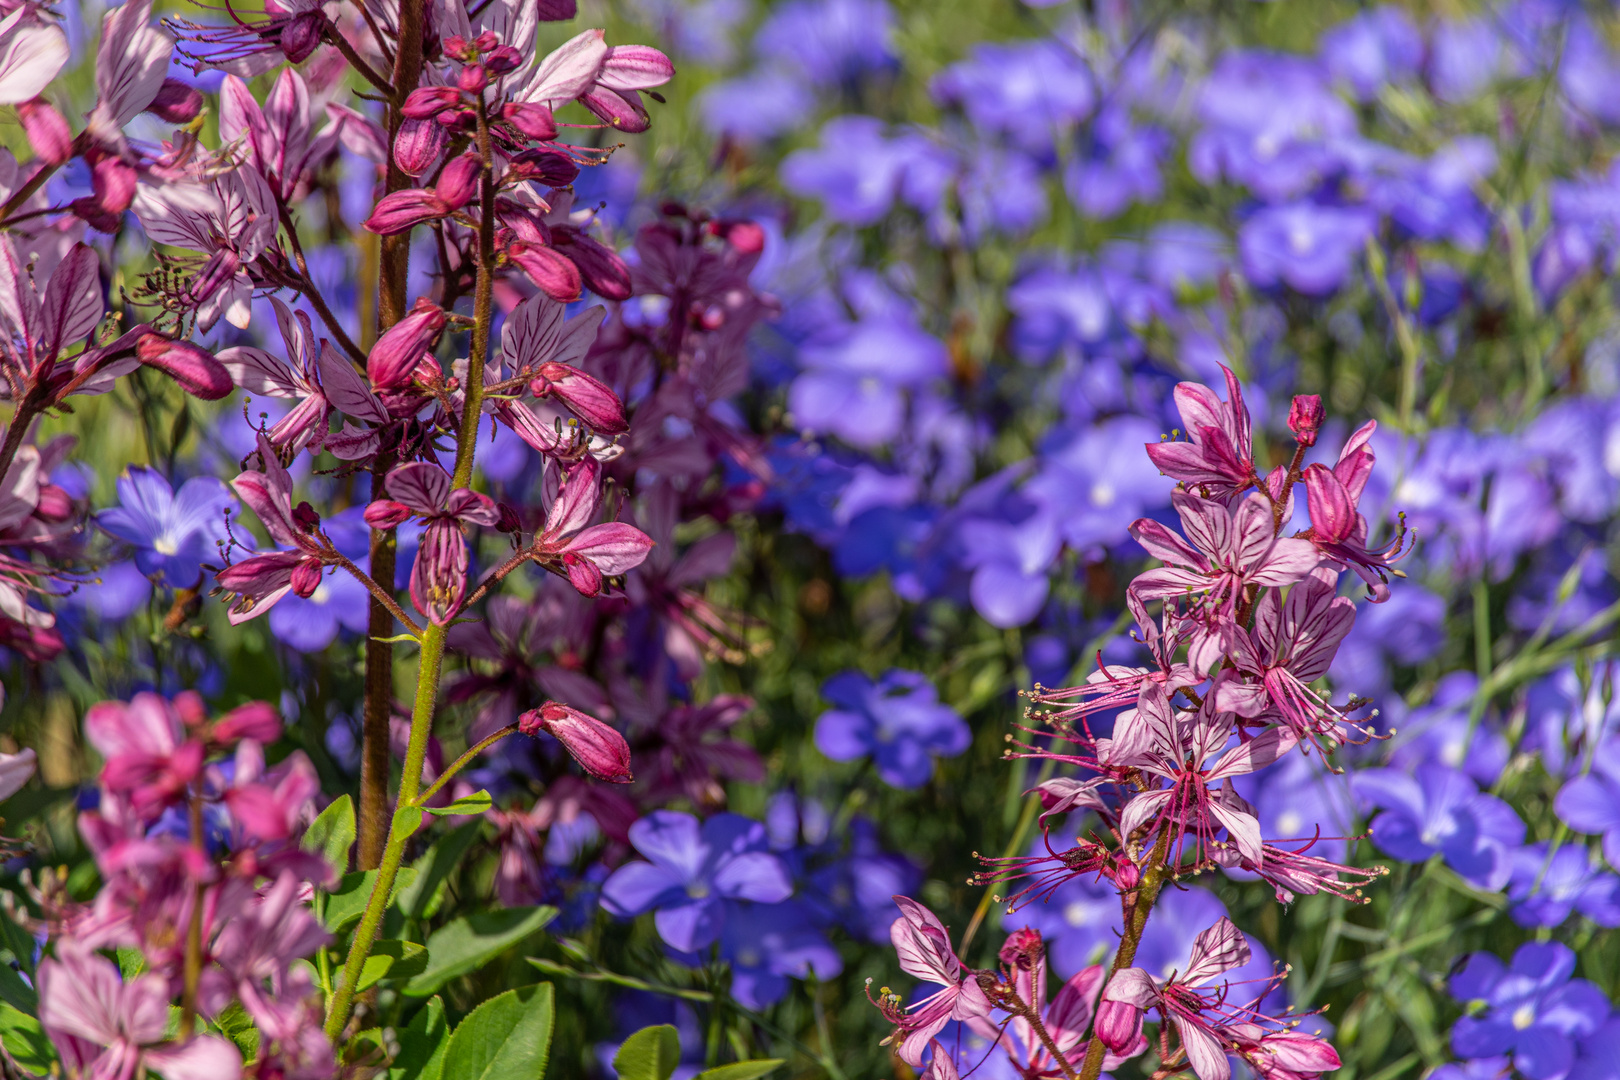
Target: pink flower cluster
{"type": "Point", "coordinates": [1249, 620]}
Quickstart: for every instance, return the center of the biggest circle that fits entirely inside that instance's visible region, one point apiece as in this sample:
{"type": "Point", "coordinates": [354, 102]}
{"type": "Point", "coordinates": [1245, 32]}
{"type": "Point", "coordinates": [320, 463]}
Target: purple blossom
{"type": "Point", "coordinates": [832, 43]}
{"type": "Point", "coordinates": [1378, 47]}
{"type": "Point", "coordinates": [897, 721]}
{"type": "Point", "coordinates": [694, 873]}
{"type": "Point", "coordinates": [766, 944]}
{"type": "Point", "coordinates": [1547, 886]}
{"type": "Point", "coordinates": [1439, 810]}
{"type": "Point", "coordinates": [172, 533]}
{"type": "Point", "coordinates": [1030, 91]}
{"type": "Point", "coordinates": [1309, 247]}
{"type": "Point", "coordinates": [854, 381]}
{"type": "Point", "coordinates": [1591, 803]}
{"type": "Point", "coordinates": [1533, 1010]}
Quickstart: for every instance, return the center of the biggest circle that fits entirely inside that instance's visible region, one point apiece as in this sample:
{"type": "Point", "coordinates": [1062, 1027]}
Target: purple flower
{"type": "Point", "coordinates": [1029, 91]}
{"type": "Point", "coordinates": [1011, 561]}
{"type": "Point", "coordinates": [172, 532]}
{"type": "Point", "coordinates": [1547, 886]}
{"type": "Point", "coordinates": [1310, 248]}
{"type": "Point", "coordinates": [1096, 480]}
{"type": "Point", "coordinates": [695, 871]}
{"type": "Point", "coordinates": [1406, 629]}
{"type": "Point", "coordinates": [858, 170]}
{"type": "Point", "coordinates": [1121, 167]}
{"type": "Point", "coordinates": [1378, 47]}
{"type": "Point", "coordinates": [1465, 55]}
{"type": "Point", "coordinates": [832, 42]}
{"type": "Point", "coordinates": [853, 383]}
{"type": "Point", "coordinates": [1533, 1009]}
{"type": "Point", "coordinates": [897, 721]}
{"type": "Point", "coordinates": [756, 105]}
{"type": "Point", "coordinates": [767, 943]}
{"type": "Point", "coordinates": [1438, 810]}
{"type": "Point", "coordinates": [1591, 803]}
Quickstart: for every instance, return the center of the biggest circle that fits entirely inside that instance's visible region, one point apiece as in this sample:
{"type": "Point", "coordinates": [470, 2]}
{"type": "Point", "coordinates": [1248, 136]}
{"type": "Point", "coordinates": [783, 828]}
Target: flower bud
{"type": "Point", "coordinates": [589, 398]}
{"type": "Point", "coordinates": [554, 273]}
{"type": "Point", "coordinates": [486, 41]}
{"type": "Point", "coordinates": [599, 749]}
{"type": "Point", "coordinates": [1119, 1025]}
{"type": "Point", "coordinates": [458, 184]}
{"type": "Point", "coordinates": [402, 211]}
{"type": "Point", "coordinates": [55, 504]}
{"type": "Point", "coordinates": [386, 514]}
{"type": "Point", "coordinates": [302, 35]}
{"type": "Point", "coordinates": [601, 268]}
{"type": "Point", "coordinates": [197, 372]}
{"type": "Point", "coordinates": [473, 78]}
{"type": "Point", "coordinates": [533, 120]}
{"type": "Point", "coordinates": [176, 102]}
{"type": "Point", "coordinates": [305, 517]}
{"type": "Point", "coordinates": [1126, 874]}
{"type": "Point", "coordinates": [549, 167]}
{"type": "Point", "coordinates": [455, 47]}
{"type": "Point", "coordinates": [114, 184]}
{"type": "Point", "coordinates": [503, 58]}
{"type": "Point", "coordinates": [256, 720]}
{"type": "Point", "coordinates": [397, 352]}
{"type": "Point", "coordinates": [745, 237]}
{"type": "Point", "coordinates": [1021, 949]}
{"type": "Point", "coordinates": [418, 145]}
{"type": "Point", "coordinates": [1305, 417]}
{"type": "Point", "coordinates": [47, 132]}
{"type": "Point", "coordinates": [507, 520]}
{"type": "Point", "coordinates": [306, 578]}
{"type": "Point", "coordinates": [426, 102]}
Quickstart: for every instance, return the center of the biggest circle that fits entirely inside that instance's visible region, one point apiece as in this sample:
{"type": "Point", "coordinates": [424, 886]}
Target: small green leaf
{"type": "Point", "coordinates": [13, 991]}
{"type": "Point", "coordinates": [348, 900]}
{"type": "Point", "coordinates": [468, 943]}
{"type": "Point", "coordinates": [25, 1041]}
{"type": "Point", "coordinates": [392, 959]}
{"type": "Point", "coordinates": [650, 1054]}
{"type": "Point", "coordinates": [505, 1038]}
{"type": "Point", "coordinates": [407, 819]}
{"type": "Point", "coordinates": [433, 868]}
{"type": "Point", "coordinates": [741, 1070]}
{"type": "Point", "coordinates": [422, 1045]}
{"type": "Point", "coordinates": [476, 803]}
{"type": "Point", "coordinates": [236, 1025]}
{"type": "Point", "coordinates": [332, 833]}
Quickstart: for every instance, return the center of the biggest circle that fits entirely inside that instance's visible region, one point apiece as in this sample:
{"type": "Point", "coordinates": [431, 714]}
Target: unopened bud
{"type": "Point", "coordinates": [55, 505]}
{"type": "Point", "coordinates": [458, 184]}
{"type": "Point", "coordinates": [549, 167]}
{"type": "Point", "coordinates": [502, 59]}
{"type": "Point", "coordinates": [473, 79]}
{"type": "Point", "coordinates": [302, 36]}
{"type": "Point", "coordinates": [1305, 417]}
{"type": "Point", "coordinates": [418, 146]}
{"type": "Point", "coordinates": [305, 517]}
{"type": "Point", "coordinates": [1126, 874]}
{"type": "Point", "coordinates": [426, 102]}
{"type": "Point", "coordinates": [176, 102]}
{"type": "Point", "coordinates": [599, 749]}
{"type": "Point", "coordinates": [1021, 949]}
{"type": "Point", "coordinates": [47, 132]}
{"type": "Point", "coordinates": [386, 514]}
{"type": "Point", "coordinates": [533, 120]}
{"type": "Point", "coordinates": [197, 372]}
{"type": "Point", "coordinates": [306, 578]}
{"type": "Point", "coordinates": [398, 351]}
{"type": "Point", "coordinates": [1119, 1025]}
{"type": "Point", "coordinates": [507, 520]}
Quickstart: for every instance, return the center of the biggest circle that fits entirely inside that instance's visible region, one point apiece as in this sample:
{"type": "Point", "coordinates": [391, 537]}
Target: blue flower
{"type": "Point", "coordinates": [1030, 91]}
{"type": "Point", "coordinates": [767, 943]}
{"type": "Point", "coordinates": [172, 533]}
{"type": "Point", "coordinates": [694, 873]}
{"type": "Point", "coordinates": [1310, 248]}
{"type": "Point", "coordinates": [309, 624]}
{"type": "Point", "coordinates": [1438, 810]}
{"type": "Point", "coordinates": [1533, 1009]}
{"type": "Point", "coordinates": [1591, 803]}
{"type": "Point", "coordinates": [1547, 886]}
{"type": "Point", "coordinates": [831, 42]}
{"type": "Point", "coordinates": [1378, 47]}
{"type": "Point", "coordinates": [898, 721]}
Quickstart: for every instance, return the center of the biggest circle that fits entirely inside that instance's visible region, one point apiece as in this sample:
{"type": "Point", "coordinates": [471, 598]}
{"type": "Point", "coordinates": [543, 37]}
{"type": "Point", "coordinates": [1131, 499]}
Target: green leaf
{"type": "Point", "coordinates": [407, 819]}
{"type": "Point", "coordinates": [741, 1070]}
{"type": "Point", "coordinates": [433, 868]}
{"type": "Point", "coordinates": [392, 959]}
{"type": "Point", "coordinates": [332, 833]}
{"type": "Point", "coordinates": [19, 941]}
{"type": "Point", "coordinates": [13, 991]}
{"type": "Point", "coordinates": [476, 803]}
{"type": "Point", "coordinates": [508, 1037]}
{"type": "Point", "coordinates": [650, 1054]}
{"type": "Point", "coordinates": [468, 943]}
{"type": "Point", "coordinates": [348, 900]}
{"type": "Point", "coordinates": [422, 1045]}
{"type": "Point", "coordinates": [236, 1025]}
{"type": "Point", "coordinates": [25, 1041]}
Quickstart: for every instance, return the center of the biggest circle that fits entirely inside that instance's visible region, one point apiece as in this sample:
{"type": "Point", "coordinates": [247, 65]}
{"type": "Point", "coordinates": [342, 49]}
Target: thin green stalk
{"type": "Point", "coordinates": [464, 760]}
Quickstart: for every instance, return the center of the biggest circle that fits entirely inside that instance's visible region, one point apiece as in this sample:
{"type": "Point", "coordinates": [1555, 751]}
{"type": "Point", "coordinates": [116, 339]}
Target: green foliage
{"type": "Point", "coordinates": [471, 941]}
{"type": "Point", "coordinates": [432, 870]}
{"type": "Point", "coordinates": [741, 1070]}
{"type": "Point", "coordinates": [650, 1054]}
{"type": "Point", "coordinates": [25, 1041]}
{"type": "Point", "coordinates": [392, 959]}
{"type": "Point", "coordinates": [422, 1045]}
{"type": "Point", "coordinates": [505, 1038]}
{"type": "Point", "coordinates": [345, 903]}
{"type": "Point", "coordinates": [331, 834]}
{"type": "Point", "coordinates": [476, 803]}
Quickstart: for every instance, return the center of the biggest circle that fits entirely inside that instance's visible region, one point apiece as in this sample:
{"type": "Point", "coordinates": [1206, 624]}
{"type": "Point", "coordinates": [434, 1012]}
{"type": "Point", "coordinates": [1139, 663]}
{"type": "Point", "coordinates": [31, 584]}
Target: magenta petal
{"type": "Point", "coordinates": [402, 211]}
{"type": "Point", "coordinates": [614, 547]}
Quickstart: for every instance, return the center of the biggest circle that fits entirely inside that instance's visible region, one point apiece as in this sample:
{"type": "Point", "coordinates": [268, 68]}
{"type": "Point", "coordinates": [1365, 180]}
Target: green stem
{"type": "Point", "coordinates": [464, 760]}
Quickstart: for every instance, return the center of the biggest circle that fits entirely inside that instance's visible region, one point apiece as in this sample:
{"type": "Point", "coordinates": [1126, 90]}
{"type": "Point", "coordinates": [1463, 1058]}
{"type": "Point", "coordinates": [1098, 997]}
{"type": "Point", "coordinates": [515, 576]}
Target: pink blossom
{"type": "Point", "coordinates": [1231, 550]}
{"type": "Point", "coordinates": [439, 575]}
{"type": "Point", "coordinates": [1338, 529]}
{"type": "Point", "coordinates": [1219, 454]}
{"type": "Point", "coordinates": [148, 754]}
{"type": "Point", "coordinates": [600, 750]}
{"type": "Point", "coordinates": [32, 53]}
{"type": "Point", "coordinates": [925, 951]}
{"type": "Point", "coordinates": [232, 219]}
{"type": "Point", "coordinates": [587, 555]}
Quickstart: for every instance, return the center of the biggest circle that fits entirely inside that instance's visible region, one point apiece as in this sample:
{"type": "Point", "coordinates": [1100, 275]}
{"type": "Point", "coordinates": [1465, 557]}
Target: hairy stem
{"type": "Point", "coordinates": [464, 760]}
{"type": "Point", "coordinates": [379, 701]}
{"type": "Point", "coordinates": [380, 595]}
{"type": "Point", "coordinates": [192, 970]}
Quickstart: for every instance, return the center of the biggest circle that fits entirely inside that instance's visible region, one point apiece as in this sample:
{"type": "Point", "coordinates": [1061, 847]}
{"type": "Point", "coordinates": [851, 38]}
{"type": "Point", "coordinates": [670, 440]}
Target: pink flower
{"type": "Point", "coordinates": [107, 1029]}
{"type": "Point", "coordinates": [277, 138]}
{"type": "Point", "coordinates": [32, 53]}
{"type": "Point", "coordinates": [925, 951]}
{"type": "Point", "coordinates": [148, 755]}
{"type": "Point", "coordinates": [196, 370]}
{"type": "Point", "coordinates": [599, 749]}
{"type": "Point", "coordinates": [1219, 456]}
{"type": "Point", "coordinates": [439, 575]}
{"type": "Point", "coordinates": [402, 347]}
{"type": "Point", "coordinates": [1338, 528]}
{"type": "Point", "coordinates": [1230, 551]}
{"type": "Point", "coordinates": [538, 338]}
{"type": "Point", "coordinates": [587, 555]}
{"type": "Point", "coordinates": [232, 219]}
{"type": "Point", "coordinates": [261, 581]}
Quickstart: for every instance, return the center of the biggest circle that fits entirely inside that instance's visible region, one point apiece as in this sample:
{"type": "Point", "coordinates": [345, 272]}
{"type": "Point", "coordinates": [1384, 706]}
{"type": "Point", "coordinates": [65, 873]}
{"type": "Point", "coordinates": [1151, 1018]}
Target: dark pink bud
{"type": "Point", "coordinates": [485, 41]}
{"type": "Point", "coordinates": [473, 78]}
{"type": "Point", "coordinates": [306, 578]}
{"type": "Point", "coordinates": [55, 504]}
{"type": "Point", "coordinates": [402, 211]}
{"type": "Point", "coordinates": [256, 720]}
{"type": "Point", "coordinates": [532, 119]}
{"type": "Point", "coordinates": [387, 514]}
{"type": "Point", "coordinates": [197, 372]}
{"type": "Point", "coordinates": [600, 267]}
{"type": "Point", "coordinates": [455, 46]}
{"type": "Point", "coordinates": [599, 749]}
{"type": "Point", "coordinates": [458, 184]}
{"type": "Point", "coordinates": [583, 574]}
{"type": "Point", "coordinates": [87, 208]}
{"type": "Point", "coordinates": [745, 237]}
{"type": "Point", "coordinates": [426, 102]}
{"type": "Point", "coordinates": [114, 184]}
{"type": "Point", "coordinates": [1119, 1025]}
{"type": "Point", "coordinates": [590, 399]}
{"type": "Point", "coordinates": [502, 59]}
{"type": "Point", "coordinates": [305, 517]}
{"type": "Point", "coordinates": [395, 356]}
{"type": "Point", "coordinates": [191, 708]}
{"type": "Point", "coordinates": [1305, 417]}
{"type": "Point", "coordinates": [1126, 874]}
{"type": "Point", "coordinates": [418, 146]}
{"type": "Point", "coordinates": [300, 37]}
{"type": "Point", "coordinates": [1022, 948]}
{"type": "Point", "coordinates": [554, 273]}
{"type": "Point", "coordinates": [550, 167]}
{"type": "Point", "coordinates": [507, 520]}
{"type": "Point", "coordinates": [176, 102]}
{"type": "Point", "coordinates": [47, 132]}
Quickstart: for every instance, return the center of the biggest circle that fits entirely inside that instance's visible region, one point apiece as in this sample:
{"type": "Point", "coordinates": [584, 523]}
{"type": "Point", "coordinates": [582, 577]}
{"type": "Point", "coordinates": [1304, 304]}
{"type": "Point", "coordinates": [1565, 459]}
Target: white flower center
{"type": "Point", "coordinates": [1301, 239]}
{"type": "Point", "coordinates": [1524, 1016]}
{"type": "Point", "coordinates": [166, 545]}
{"type": "Point", "coordinates": [1289, 822]}
{"type": "Point", "coordinates": [1103, 493]}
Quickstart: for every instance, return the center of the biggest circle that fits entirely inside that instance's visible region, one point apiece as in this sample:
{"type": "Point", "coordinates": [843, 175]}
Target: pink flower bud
{"type": "Point", "coordinates": [455, 47]}
{"type": "Point", "coordinates": [402, 211]}
{"type": "Point", "coordinates": [745, 237]}
{"type": "Point", "coordinates": [306, 517]}
{"type": "Point", "coordinates": [458, 184]}
{"type": "Point", "coordinates": [473, 78]}
{"type": "Point", "coordinates": [256, 720]}
{"type": "Point", "coordinates": [599, 266]}
{"type": "Point", "coordinates": [426, 102]}
{"type": "Point", "coordinates": [485, 41]}
{"type": "Point", "coordinates": [503, 58]}
{"type": "Point", "coordinates": [55, 504]}
{"type": "Point", "coordinates": [197, 372]}
{"type": "Point", "coordinates": [1022, 948]}
{"type": "Point", "coordinates": [1126, 874]}
{"type": "Point", "coordinates": [1305, 417]}
{"type": "Point", "coordinates": [47, 132]}
{"type": "Point", "coordinates": [554, 273]}
{"type": "Point", "coordinates": [1119, 1025]}
{"type": "Point", "coordinates": [176, 103]}
{"type": "Point", "coordinates": [549, 167]}
{"type": "Point", "coordinates": [387, 514]}
{"type": "Point", "coordinates": [507, 520]}
{"type": "Point", "coordinates": [397, 352]}
{"type": "Point", "coordinates": [418, 146]}
{"type": "Point", "coordinates": [590, 399]}
{"type": "Point", "coordinates": [302, 36]}
{"type": "Point", "coordinates": [306, 578]}
{"type": "Point", "coordinates": [533, 120]}
{"type": "Point", "coordinates": [599, 749]}
{"type": "Point", "coordinates": [114, 184]}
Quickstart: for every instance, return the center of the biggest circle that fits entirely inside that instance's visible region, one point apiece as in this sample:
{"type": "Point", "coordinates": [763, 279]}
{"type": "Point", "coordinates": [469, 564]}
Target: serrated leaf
{"type": "Point", "coordinates": [236, 1025]}
{"type": "Point", "coordinates": [650, 1054]}
{"type": "Point", "coordinates": [422, 1045]}
{"type": "Point", "coordinates": [392, 959]}
{"type": "Point", "coordinates": [505, 1038]}
{"type": "Point", "coordinates": [332, 833]}
{"type": "Point", "coordinates": [433, 868]}
{"type": "Point", "coordinates": [470, 942]}
{"type": "Point", "coordinates": [25, 1041]}
{"type": "Point", "coordinates": [741, 1070]}
{"type": "Point", "coordinates": [346, 903]}
{"type": "Point", "coordinates": [476, 803]}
